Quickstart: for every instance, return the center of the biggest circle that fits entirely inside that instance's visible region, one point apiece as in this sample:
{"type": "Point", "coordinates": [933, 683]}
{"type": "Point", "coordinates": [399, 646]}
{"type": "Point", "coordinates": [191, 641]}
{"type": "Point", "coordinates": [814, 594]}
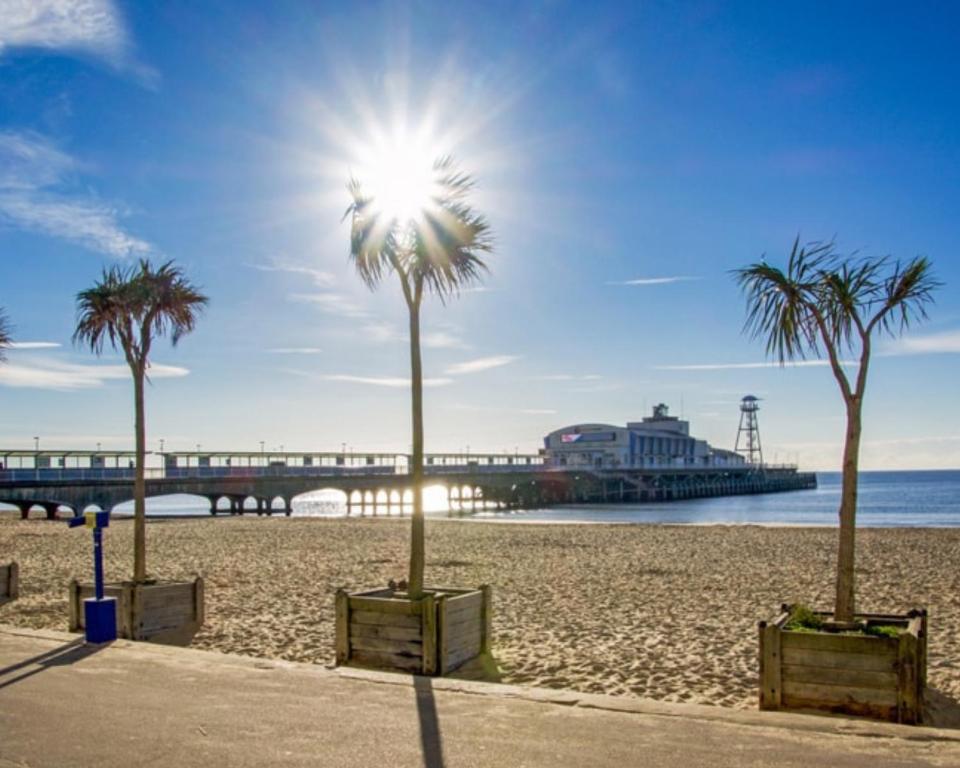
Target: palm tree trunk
{"type": "Point", "coordinates": [844, 607]}
{"type": "Point", "coordinates": [415, 581]}
{"type": "Point", "coordinates": [139, 485]}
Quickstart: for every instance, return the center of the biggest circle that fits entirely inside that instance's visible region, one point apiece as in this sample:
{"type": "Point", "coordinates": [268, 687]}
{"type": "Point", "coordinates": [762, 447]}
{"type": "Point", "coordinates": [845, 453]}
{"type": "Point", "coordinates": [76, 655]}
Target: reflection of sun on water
{"type": "Point", "coordinates": [334, 503]}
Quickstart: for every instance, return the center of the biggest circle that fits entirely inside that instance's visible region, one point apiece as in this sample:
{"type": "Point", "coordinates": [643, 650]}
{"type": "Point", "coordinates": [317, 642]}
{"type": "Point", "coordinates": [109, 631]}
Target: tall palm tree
{"type": "Point", "coordinates": [6, 334]}
{"type": "Point", "coordinates": [129, 308]}
{"type": "Point", "coordinates": [438, 252]}
{"type": "Point", "coordinates": [826, 303]}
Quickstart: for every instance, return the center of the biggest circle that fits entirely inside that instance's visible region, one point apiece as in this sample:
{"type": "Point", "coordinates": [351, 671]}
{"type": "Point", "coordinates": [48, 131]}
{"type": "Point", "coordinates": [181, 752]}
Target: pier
{"type": "Point", "coordinates": [266, 483]}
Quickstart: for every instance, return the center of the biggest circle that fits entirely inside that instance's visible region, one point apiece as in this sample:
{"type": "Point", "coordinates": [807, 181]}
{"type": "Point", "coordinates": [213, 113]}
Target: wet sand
{"type": "Point", "coordinates": [664, 612]}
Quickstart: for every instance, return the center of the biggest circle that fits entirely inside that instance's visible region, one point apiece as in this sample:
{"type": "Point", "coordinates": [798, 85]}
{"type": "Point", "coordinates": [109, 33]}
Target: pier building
{"type": "Point", "coordinates": [658, 440]}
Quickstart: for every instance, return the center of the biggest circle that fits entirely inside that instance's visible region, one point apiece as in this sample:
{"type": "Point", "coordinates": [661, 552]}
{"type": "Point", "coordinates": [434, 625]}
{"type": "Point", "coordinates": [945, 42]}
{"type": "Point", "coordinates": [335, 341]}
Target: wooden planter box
{"type": "Point", "coordinates": [168, 612]}
{"type": "Point", "coordinates": [430, 636]}
{"type": "Point", "coordinates": [853, 674]}
{"type": "Point", "coordinates": [9, 582]}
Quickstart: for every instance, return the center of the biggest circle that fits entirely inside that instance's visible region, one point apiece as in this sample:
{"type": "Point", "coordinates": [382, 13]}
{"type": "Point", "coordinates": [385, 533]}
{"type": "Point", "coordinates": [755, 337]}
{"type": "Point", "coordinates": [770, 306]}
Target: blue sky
{"type": "Point", "coordinates": [628, 156]}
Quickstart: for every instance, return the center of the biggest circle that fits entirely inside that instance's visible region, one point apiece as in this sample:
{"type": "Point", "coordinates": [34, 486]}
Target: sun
{"type": "Point", "coordinates": [398, 173]}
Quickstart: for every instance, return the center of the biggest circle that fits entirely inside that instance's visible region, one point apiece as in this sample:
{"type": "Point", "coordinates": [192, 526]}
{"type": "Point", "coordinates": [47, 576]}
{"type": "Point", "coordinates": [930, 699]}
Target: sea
{"type": "Point", "coordinates": [886, 499]}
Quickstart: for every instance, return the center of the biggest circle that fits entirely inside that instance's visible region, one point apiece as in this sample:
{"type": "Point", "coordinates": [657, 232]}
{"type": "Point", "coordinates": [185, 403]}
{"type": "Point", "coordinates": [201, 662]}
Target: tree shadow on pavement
{"type": "Point", "coordinates": [70, 653]}
{"type": "Point", "coordinates": [431, 741]}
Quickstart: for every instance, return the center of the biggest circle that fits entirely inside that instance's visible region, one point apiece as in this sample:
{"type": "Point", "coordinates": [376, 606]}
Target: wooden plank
{"type": "Point", "coordinates": [771, 693]}
{"type": "Point", "coordinates": [199, 601]}
{"type": "Point", "coordinates": [908, 683]}
{"type": "Point", "coordinates": [471, 604]}
{"type": "Point", "coordinates": [442, 630]}
{"type": "Point", "coordinates": [458, 658]}
{"type": "Point", "coordinates": [848, 708]}
{"type": "Point", "coordinates": [398, 647]}
{"type": "Point", "coordinates": [429, 617]}
{"type": "Point", "coordinates": [384, 619]}
{"type": "Point", "coordinates": [839, 660]}
{"type": "Point", "coordinates": [834, 695]}
{"type": "Point", "coordinates": [383, 605]}
{"type": "Point", "coordinates": [342, 626]}
{"type": "Point", "coordinates": [486, 641]}
{"type": "Point", "coordinates": [472, 628]}
{"type": "Point", "coordinates": [387, 660]}
{"type": "Point", "coordinates": [856, 678]}
{"type": "Point", "coordinates": [73, 606]}
{"type": "Point", "coordinates": [471, 644]}
{"type": "Point", "coordinates": [392, 633]}
{"type": "Point", "coordinates": [823, 641]}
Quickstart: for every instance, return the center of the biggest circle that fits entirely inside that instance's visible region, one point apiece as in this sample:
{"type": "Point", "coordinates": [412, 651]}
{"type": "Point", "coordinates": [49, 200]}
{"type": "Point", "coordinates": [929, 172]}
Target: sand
{"type": "Point", "coordinates": [664, 612]}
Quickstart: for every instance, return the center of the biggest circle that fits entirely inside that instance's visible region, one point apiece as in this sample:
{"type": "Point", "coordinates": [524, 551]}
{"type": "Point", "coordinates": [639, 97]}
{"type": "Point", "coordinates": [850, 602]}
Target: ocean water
{"type": "Point", "coordinates": [887, 499]}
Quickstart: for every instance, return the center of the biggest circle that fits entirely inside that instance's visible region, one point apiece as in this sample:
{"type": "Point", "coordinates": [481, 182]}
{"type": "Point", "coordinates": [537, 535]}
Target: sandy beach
{"type": "Point", "coordinates": [665, 612]}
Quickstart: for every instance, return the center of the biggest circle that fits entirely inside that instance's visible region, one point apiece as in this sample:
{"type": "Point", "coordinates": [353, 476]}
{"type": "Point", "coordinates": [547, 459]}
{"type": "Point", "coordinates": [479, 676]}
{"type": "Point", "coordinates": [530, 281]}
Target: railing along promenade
{"type": "Point", "coordinates": [376, 480]}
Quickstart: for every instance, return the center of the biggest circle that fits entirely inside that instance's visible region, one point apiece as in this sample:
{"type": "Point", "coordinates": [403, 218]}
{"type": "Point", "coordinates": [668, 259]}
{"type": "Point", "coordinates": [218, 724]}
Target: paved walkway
{"type": "Point", "coordinates": [131, 704]}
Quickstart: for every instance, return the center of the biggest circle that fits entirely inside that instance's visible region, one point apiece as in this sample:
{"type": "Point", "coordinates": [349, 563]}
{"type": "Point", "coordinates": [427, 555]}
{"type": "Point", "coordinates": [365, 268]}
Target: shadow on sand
{"type": "Point", "coordinates": [942, 710]}
{"type": "Point", "coordinates": [63, 655]}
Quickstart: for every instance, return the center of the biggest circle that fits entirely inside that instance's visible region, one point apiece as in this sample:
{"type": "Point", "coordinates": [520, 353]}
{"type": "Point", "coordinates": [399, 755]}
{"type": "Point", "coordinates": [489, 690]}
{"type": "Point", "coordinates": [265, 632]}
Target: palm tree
{"type": "Point", "coordinates": [439, 252]}
{"type": "Point", "coordinates": [129, 308]}
{"type": "Point", "coordinates": [827, 303]}
{"type": "Point", "coordinates": [6, 334]}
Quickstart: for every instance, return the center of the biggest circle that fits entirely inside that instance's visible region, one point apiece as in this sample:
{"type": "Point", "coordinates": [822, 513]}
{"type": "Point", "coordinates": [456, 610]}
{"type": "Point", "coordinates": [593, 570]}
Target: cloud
{"type": "Point", "coordinates": [442, 340]}
{"type": "Point", "coordinates": [33, 195]}
{"type": "Point", "coordinates": [383, 381]}
{"type": "Point", "coordinates": [748, 366]}
{"type": "Point", "coordinates": [332, 303]}
{"type": "Point", "coordinates": [569, 377]}
{"type": "Point", "coordinates": [58, 375]}
{"type": "Point", "coordinates": [93, 27]}
{"type": "Point", "coordinates": [295, 350]}
{"type": "Point", "coordinates": [33, 345]}
{"type": "Point", "coordinates": [480, 364]}
{"type": "Point", "coordinates": [320, 278]}
{"type": "Point", "coordinates": [654, 280]}
{"type": "Point", "coordinates": [947, 342]}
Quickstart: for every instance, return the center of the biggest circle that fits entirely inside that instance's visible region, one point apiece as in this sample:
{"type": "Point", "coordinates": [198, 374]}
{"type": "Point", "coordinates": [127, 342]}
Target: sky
{"type": "Point", "coordinates": [628, 157]}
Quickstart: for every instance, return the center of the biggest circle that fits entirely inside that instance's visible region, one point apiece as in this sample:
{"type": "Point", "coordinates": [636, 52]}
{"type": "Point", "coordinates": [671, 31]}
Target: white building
{"type": "Point", "coordinates": [659, 440]}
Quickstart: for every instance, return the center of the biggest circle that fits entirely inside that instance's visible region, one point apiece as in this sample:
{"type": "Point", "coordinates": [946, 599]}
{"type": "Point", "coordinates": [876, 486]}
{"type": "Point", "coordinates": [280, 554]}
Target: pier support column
{"type": "Point", "coordinates": [51, 510]}
{"type": "Point", "coordinates": [24, 510]}
{"type": "Point", "coordinates": [288, 507]}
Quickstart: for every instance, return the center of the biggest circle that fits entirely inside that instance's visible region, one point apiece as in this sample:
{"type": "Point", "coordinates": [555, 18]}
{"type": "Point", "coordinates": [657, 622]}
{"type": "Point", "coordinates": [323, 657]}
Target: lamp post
{"type": "Point", "coordinates": [36, 444]}
{"type": "Point", "coordinates": [161, 445]}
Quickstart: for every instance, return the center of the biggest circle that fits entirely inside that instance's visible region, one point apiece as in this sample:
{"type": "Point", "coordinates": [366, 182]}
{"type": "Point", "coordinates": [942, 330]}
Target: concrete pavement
{"type": "Point", "coordinates": [131, 704]}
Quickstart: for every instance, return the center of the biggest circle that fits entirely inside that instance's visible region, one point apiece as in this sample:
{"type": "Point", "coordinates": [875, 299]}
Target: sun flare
{"type": "Point", "coordinates": [399, 175]}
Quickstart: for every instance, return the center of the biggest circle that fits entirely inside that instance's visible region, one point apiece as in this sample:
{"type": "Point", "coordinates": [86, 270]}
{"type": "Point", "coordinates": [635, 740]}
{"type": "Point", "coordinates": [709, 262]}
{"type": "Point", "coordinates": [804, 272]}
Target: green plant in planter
{"type": "Point", "coordinates": [826, 304]}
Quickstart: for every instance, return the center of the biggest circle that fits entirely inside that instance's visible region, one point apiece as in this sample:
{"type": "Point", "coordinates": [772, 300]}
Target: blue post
{"type": "Point", "coordinates": [98, 561]}
{"type": "Point", "coordinates": [100, 613]}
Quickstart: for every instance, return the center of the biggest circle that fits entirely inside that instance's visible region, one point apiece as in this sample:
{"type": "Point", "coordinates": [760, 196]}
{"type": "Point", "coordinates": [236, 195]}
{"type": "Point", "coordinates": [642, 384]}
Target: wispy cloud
{"type": "Point", "coordinates": [295, 350]}
{"type": "Point", "coordinates": [569, 377]}
{"type": "Point", "coordinates": [34, 345]}
{"type": "Point", "coordinates": [93, 27]}
{"type": "Point", "coordinates": [320, 278]}
{"type": "Point", "coordinates": [442, 340]}
{"type": "Point", "coordinates": [393, 382]}
{"type": "Point", "coordinates": [654, 280]}
{"type": "Point", "coordinates": [62, 376]}
{"type": "Point", "coordinates": [384, 381]}
{"type": "Point", "coordinates": [748, 366]}
{"type": "Point", "coordinates": [332, 303]}
{"type": "Point", "coordinates": [946, 342]}
{"type": "Point", "coordinates": [480, 364]}
{"type": "Point", "coordinates": [35, 195]}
